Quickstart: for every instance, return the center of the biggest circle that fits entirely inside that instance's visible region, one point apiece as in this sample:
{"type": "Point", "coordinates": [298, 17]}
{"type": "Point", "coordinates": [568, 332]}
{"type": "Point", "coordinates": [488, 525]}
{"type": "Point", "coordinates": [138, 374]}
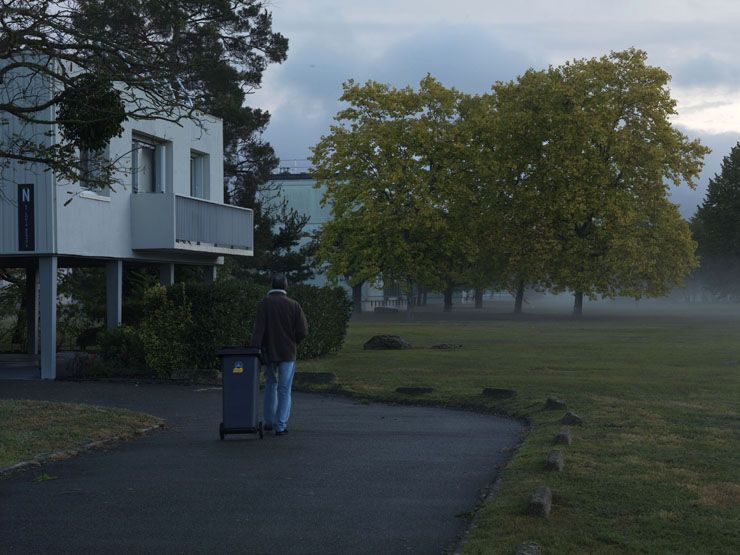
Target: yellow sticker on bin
{"type": "Point", "coordinates": [238, 368]}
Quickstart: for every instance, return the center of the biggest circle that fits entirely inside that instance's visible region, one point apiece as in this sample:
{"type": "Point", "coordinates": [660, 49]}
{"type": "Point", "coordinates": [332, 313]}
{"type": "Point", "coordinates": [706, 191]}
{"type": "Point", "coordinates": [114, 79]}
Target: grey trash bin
{"type": "Point", "coordinates": [240, 366]}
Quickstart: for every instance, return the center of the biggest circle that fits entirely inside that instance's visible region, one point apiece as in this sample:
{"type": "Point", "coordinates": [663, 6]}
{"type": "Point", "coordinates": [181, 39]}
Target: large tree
{"type": "Point", "coordinates": [716, 228]}
{"type": "Point", "coordinates": [389, 166]}
{"type": "Point", "coordinates": [608, 159]}
{"type": "Point", "coordinates": [107, 61]}
{"type": "Point", "coordinates": [512, 133]}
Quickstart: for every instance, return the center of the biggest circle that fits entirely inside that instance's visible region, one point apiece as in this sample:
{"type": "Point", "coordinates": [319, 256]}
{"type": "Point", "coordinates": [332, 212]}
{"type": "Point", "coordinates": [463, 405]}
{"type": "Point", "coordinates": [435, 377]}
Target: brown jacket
{"type": "Point", "coordinates": [279, 326]}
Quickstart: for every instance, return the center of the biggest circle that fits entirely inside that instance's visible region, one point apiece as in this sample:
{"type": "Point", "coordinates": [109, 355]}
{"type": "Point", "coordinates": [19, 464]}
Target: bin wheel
{"type": "Point", "coordinates": [259, 429]}
{"type": "Point", "coordinates": [221, 431]}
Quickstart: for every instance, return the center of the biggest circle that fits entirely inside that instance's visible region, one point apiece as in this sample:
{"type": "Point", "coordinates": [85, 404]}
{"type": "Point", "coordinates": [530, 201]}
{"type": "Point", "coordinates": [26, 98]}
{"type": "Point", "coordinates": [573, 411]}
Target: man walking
{"type": "Point", "coordinates": [278, 328]}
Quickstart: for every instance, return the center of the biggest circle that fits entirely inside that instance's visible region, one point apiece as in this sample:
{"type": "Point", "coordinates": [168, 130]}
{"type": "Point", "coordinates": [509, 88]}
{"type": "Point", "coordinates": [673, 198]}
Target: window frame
{"type": "Point", "coordinates": [199, 168]}
{"type": "Point", "coordinates": [95, 158]}
{"type": "Point", "coordinates": [159, 163]}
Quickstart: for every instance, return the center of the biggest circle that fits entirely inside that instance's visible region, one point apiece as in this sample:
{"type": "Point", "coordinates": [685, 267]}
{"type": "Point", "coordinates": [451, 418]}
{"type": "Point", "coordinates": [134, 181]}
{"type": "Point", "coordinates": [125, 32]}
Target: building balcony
{"type": "Point", "coordinates": [169, 223]}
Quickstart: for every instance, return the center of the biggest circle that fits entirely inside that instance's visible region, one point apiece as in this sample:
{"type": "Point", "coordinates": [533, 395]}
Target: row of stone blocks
{"type": "Point", "coordinates": [540, 502]}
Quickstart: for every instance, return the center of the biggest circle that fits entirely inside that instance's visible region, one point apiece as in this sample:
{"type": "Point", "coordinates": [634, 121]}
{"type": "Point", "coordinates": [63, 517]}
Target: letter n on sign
{"type": "Point", "coordinates": [26, 224]}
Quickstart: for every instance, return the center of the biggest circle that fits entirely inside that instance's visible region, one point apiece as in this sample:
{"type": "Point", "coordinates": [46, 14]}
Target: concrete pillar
{"type": "Point", "coordinates": [113, 293]}
{"type": "Point", "coordinates": [48, 306]}
{"type": "Point", "coordinates": [32, 309]}
{"type": "Point", "coordinates": [167, 274]}
{"type": "Point", "coordinates": [210, 273]}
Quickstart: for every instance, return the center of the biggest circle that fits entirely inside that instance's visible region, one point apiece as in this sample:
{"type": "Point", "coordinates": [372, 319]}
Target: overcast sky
{"type": "Point", "coordinates": [469, 44]}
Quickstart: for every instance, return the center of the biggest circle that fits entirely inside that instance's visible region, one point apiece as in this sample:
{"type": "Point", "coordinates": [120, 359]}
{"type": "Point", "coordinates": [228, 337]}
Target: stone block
{"type": "Point", "coordinates": [499, 392]}
{"type": "Point", "coordinates": [555, 404]}
{"type": "Point", "coordinates": [540, 502]}
{"type": "Point", "coordinates": [564, 437]}
{"type": "Point", "coordinates": [414, 390]}
{"type": "Point", "coordinates": [571, 418]}
{"type": "Point", "coordinates": [555, 460]}
{"type": "Point", "coordinates": [529, 548]}
{"type": "Point", "coordinates": [386, 342]}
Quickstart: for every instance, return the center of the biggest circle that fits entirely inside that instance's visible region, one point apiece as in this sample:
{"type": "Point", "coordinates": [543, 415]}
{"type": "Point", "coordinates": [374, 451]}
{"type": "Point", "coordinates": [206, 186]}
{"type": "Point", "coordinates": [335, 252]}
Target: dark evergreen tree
{"type": "Point", "coordinates": [280, 241]}
{"type": "Point", "coordinates": [175, 58]}
{"type": "Point", "coordinates": [716, 229]}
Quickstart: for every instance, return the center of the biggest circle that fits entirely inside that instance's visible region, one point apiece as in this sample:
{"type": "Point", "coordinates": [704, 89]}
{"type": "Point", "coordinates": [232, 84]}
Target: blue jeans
{"type": "Point", "coordinates": [278, 381]}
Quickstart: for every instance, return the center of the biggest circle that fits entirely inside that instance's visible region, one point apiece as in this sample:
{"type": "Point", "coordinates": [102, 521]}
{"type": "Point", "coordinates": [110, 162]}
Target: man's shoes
{"type": "Point", "coordinates": [267, 428]}
{"type": "Point", "coordinates": [279, 433]}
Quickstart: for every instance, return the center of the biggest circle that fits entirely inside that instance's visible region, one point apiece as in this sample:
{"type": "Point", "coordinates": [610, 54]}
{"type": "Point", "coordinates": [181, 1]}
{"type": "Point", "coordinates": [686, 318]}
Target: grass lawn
{"type": "Point", "coordinates": [31, 428]}
{"type": "Point", "coordinates": [654, 468]}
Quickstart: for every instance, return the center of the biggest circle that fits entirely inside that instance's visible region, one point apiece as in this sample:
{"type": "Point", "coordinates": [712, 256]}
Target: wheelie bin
{"type": "Point", "coordinates": [240, 366]}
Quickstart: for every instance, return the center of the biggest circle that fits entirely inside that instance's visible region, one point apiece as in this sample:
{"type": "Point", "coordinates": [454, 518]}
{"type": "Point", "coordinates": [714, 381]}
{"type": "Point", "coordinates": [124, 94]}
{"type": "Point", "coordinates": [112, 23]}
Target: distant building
{"type": "Point", "coordinates": [298, 189]}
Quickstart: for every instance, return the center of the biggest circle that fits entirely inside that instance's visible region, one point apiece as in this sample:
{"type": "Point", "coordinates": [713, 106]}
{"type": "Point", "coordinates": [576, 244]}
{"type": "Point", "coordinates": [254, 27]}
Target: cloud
{"type": "Point", "coordinates": [468, 58]}
{"type": "Point", "coordinates": [309, 84]}
{"type": "Point", "coordinates": [707, 70]}
{"type": "Point", "coordinates": [471, 44]}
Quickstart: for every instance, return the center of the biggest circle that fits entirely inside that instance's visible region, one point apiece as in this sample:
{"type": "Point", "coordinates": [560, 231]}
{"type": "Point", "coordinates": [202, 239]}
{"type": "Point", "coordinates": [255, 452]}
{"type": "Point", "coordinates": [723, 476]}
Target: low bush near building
{"type": "Point", "coordinates": [183, 325]}
{"type": "Point", "coordinates": [328, 310]}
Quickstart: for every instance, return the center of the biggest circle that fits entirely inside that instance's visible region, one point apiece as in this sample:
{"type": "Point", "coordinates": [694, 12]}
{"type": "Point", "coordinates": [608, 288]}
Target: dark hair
{"type": "Point", "coordinates": [279, 281]}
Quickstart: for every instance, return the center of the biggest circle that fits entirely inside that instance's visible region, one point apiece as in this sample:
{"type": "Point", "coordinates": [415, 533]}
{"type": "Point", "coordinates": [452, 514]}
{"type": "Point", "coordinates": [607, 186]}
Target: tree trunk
{"type": "Point", "coordinates": [578, 304]}
{"type": "Point", "coordinates": [357, 298]}
{"type": "Point", "coordinates": [479, 298]}
{"type": "Point", "coordinates": [448, 298]}
{"type": "Point", "coordinates": [409, 306]}
{"type": "Point", "coordinates": [418, 296]}
{"type": "Point", "coordinates": [519, 299]}
{"type": "Point", "coordinates": [424, 298]}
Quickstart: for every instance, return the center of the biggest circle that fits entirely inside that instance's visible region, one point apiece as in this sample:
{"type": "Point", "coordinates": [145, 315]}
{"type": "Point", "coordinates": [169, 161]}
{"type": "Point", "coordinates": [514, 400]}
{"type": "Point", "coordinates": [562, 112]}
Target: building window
{"type": "Point", "coordinates": [147, 166]}
{"type": "Point", "coordinates": [198, 175]}
{"type": "Point", "coordinates": [92, 163]}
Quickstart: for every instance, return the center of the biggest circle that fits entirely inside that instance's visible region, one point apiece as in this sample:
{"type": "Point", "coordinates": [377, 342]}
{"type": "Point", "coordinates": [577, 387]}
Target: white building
{"type": "Point", "coordinates": [167, 208]}
{"type": "Point", "coordinates": [301, 194]}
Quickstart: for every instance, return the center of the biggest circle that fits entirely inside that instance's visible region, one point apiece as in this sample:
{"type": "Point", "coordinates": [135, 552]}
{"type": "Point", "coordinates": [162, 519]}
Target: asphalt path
{"type": "Point", "coordinates": [348, 478]}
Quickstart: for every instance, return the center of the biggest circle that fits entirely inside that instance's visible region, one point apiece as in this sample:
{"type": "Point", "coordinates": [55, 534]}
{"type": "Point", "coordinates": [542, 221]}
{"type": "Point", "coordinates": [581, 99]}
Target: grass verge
{"type": "Point", "coordinates": [33, 428]}
{"type": "Point", "coordinates": [654, 466]}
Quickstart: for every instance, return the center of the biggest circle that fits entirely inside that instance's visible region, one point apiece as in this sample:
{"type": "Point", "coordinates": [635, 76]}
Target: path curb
{"type": "Point", "coordinates": [38, 460]}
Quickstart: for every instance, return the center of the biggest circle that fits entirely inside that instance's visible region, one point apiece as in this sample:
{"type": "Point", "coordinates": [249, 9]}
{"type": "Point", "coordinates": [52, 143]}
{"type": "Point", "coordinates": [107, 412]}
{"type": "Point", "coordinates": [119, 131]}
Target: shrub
{"type": "Point", "coordinates": [122, 346]}
{"type": "Point", "coordinates": [184, 324]}
{"type": "Point", "coordinates": [164, 330]}
{"type": "Point", "coordinates": [328, 310]}
{"type": "Point", "coordinates": [72, 322]}
{"type": "Point", "coordinates": [221, 315]}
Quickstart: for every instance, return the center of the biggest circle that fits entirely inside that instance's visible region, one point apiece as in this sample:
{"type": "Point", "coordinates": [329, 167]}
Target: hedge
{"type": "Point", "coordinates": [184, 324]}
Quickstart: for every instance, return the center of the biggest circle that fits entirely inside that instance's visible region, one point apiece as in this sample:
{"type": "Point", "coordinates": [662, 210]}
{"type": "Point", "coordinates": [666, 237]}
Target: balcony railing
{"type": "Point", "coordinates": [174, 222]}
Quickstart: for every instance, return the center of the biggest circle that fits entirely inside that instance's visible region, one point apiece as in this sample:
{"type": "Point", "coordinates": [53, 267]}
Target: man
{"type": "Point", "coordinates": [278, 328]}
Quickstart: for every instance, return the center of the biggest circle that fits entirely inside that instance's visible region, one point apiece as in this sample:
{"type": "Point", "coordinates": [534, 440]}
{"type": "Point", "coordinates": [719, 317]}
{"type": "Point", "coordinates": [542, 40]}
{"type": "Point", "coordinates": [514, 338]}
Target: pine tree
{"type": "Point", "coordinates": [716, 228]}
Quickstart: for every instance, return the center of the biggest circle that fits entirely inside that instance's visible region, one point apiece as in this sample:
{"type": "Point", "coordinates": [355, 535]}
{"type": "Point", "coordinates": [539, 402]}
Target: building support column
{"type": "Point", "coordinates": [113, 293]}
{"type": "Point", "coordinates": [32, 309]}
{"type": "Point", "coordinates": [167, 274]}
{"type": "Point", "coordinates": [210, 273]}
{"type": "Point", "coordinates": [48, 306]}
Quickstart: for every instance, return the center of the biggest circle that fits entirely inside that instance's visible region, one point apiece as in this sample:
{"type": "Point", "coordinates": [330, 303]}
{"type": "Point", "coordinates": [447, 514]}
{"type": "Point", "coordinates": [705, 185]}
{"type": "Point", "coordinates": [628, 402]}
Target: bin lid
{"type": "Point", "coordinates": [238, 351]}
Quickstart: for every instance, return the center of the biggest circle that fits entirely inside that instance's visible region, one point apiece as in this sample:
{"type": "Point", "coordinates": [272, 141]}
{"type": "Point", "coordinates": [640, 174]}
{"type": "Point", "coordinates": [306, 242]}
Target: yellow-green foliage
{"type": "Point", "coordinates": [392, 172]}
{"type": "Point", "coordinates": [559, 179]}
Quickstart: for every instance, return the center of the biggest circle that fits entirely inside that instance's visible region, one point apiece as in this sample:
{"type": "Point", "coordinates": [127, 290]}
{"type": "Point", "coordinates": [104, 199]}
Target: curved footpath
{"type": "Point", "coordinates": [348, 478]}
